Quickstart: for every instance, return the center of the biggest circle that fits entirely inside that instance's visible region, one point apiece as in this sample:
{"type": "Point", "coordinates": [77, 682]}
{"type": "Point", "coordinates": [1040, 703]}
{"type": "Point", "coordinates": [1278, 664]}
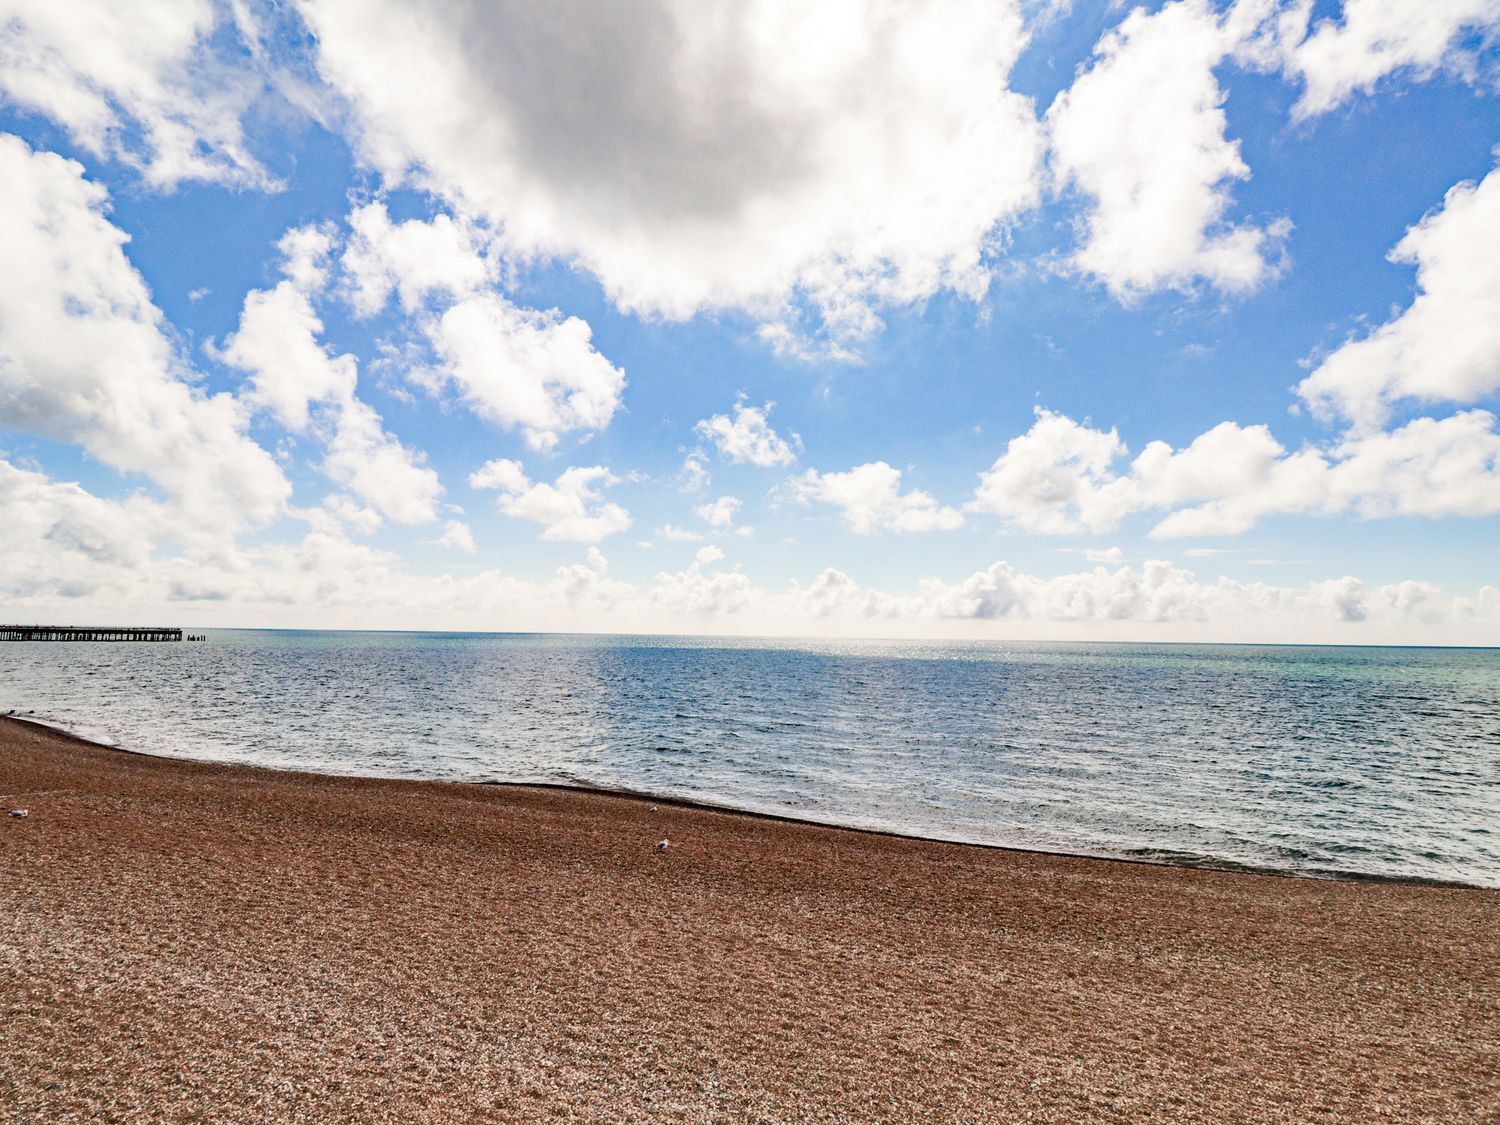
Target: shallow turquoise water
{"type": "Point", "coordinates": [1312, 760]}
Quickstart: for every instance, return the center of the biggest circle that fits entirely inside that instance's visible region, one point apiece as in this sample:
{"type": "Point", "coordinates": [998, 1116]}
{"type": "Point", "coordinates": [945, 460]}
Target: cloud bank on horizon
{"type": "Point", "coordinates": [977, 317]}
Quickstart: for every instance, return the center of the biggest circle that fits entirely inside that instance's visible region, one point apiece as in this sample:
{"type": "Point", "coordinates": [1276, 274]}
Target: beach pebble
{"type": "Point", "coordinates": [661, 846]}
{"type": "Point", "coordinates": [22, 812]}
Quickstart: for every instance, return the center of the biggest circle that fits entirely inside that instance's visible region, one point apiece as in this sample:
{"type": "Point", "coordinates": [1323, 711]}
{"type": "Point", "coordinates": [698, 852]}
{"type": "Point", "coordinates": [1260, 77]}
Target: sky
{"type": "Point", "coordinates": [945, 318]}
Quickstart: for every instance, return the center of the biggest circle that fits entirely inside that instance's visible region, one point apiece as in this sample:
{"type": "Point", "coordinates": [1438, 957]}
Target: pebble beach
{"type": "Point", "coordinates": [184, 940]}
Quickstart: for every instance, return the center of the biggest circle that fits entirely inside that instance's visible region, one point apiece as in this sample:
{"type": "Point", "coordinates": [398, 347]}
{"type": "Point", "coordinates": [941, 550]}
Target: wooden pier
{"type": "Point", "coordinates": [86, 633]}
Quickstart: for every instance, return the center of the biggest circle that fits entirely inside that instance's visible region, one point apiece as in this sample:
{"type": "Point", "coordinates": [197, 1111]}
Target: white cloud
{"type": "Point", "coordinates": [519, 368]}
{"type": "Point", "coordinates": [525, 369]}
{"type": "Point", "coordinates": [66, 550]}
{"type": "Point", "coordinates": [694, 593]}
{"type": "Point", "coordinates": [1374, 38]}
{"type": "Point", "coordinates": [1158, 599]}
{"type": "Point", "coordinates": [1060, 477]}
{"type": "Point", "coordinates": [305, 253]}
{"type": "Point", "coordinates": [1142, 133]}
{"type": "Point", "coordinates": [871, 500]}
{"type": "Point", "coordinates": [1097, 554]}
{"type": "Point", "coordinates": [290, 372]}
{"type": "Point", "coordinates": [377, 468]}
{"type": "Point", "coordinates": [1445, 346]}
{"type": "Point", "coordinates": [1099, 595]}
{"type": "Point", "coordinates": [572, 509]}
{"type": "Point", "coordinates": [140, 82]}
{"type": "Point", "coordinates": [1056, 479]}
{"type": "Point", "coordinates": [344, 510]}
{"type": "Point", "coordinates": [62, 541]}
{"type": "Point", "coordinates": [85, 358]}
{"type": "Point", "coordinates": [747, 437]}
{"type": "Point", "coordinates": [1229, 477]}
{"type": "Point", "coordinates": [694, 473]}
{"type": "Point", "coordinates": [456, 534]}
{"type": "Point", "coordinates": [277, 343]}
{"type": "Point", "coordinates": [844, 154]}
{"type": "Point", "coordinates": [720, 513]}
{"type": "Point", "coordinates": [414, 259]}
{"type": "Point", "coordinates": [501, 474]}
{"type": "Point", "coordinates": [833, 594]}
{"type": "Point", "coordinates": [1163, 594]}
{"type": "Point", "coordinates": [679, 534]}
{"type": "Point", "coordinates": [1428, 467]}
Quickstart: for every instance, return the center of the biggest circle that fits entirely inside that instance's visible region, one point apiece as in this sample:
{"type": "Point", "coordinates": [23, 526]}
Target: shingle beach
{"type": "Point", "coordinates": [182, 941]}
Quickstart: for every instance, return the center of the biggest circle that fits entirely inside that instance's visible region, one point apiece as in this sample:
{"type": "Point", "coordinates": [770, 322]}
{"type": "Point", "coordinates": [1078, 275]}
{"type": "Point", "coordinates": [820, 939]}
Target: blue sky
{"type": "Point", "coordinates": [1165, 322]}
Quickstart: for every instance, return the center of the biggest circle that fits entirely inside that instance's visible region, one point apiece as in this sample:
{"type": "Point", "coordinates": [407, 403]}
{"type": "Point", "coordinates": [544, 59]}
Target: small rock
{"type": "Point", "coordinates": [22, 812]}
{"type": "Point", "coordinates": [661, 846]}
{"type": "Point", "coordinates": [651, 809]}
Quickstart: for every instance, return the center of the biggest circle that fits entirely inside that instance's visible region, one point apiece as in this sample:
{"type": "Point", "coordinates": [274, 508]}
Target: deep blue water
{"type": "Point", "coordinates": [1310, 760]}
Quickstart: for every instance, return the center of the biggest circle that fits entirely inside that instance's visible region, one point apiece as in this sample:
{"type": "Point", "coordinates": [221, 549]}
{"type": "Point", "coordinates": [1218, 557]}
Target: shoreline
{"type": "Point", "coordinates": [1193, 863]}
{"type": "Point", "coordinates": [189, 939]}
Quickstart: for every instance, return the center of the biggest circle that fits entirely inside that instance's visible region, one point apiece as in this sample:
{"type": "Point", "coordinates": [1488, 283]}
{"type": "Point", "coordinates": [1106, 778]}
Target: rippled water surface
{"type": "Point", "coordinates": [1315, 760]}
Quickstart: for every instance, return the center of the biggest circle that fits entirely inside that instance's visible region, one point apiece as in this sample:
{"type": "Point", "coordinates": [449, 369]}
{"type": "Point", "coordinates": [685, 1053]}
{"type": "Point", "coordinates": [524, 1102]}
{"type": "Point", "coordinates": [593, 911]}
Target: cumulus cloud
{"type": "Point", "coordinates": [747, 437]}
{"type": "Point", "coordinates": [1156, 597]}
{"type": "Point", "coordinates": [1445, 346]}
{"type": "Point", "coordinates": [696, 592]}
{"type": "Point", "coordinates": [849, 156]}
{"type": "Point", "coordinates": [85, 357]}
{"type": "Point", "coordinates": [833, 594]}
{"type": "Point", "coordinates": [277, 342]}
{"type": "Point", "coordinates": [458, 536]}
{"type": "Point", "coordinates": [519, 368]}
{"type": "Point", "coordinates": [720, 513]}
{"type": "Point", "coordinates": [573, 508]}
{"type": "Point", "coordinates": [67, 548]}
{"type": "Point", "coordinates": [1374, 38]}
{"type": "Point", "coordinates": [1056, 479]}
{"type": "Point", "coordinates": [416, 260]}
{"type": "Point", "coordinates": [870, 500]}
{"type": "Point", "coordinates": [291, 371]}
{"type": "Point", "coordinates": [1062, 477]}
{"type": "Point", "coordinates": [339, 511]}
{"type": "Point", "coordinates": [376, 467]}
{"type": "Point", "coordinates": [62, 541]}
{"type": "Point", "coordinates": [1141, 132]}
{"type": "Point", "coordinates": [140, 83]}
{"type": "Point", "coordinates": [1163, 594]}
{"type": "Point", "coordinates": [694, 475]}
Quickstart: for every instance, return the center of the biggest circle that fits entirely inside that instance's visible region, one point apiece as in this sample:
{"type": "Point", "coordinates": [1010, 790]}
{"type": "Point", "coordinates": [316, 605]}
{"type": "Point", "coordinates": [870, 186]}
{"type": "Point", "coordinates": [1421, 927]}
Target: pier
{"type": "Point", "coordinates": [86, 633]}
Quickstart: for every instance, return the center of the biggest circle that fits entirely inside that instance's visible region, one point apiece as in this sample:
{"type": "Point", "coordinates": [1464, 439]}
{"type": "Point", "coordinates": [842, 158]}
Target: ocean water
{"type": "Point", "coordinates": [1317, 761]}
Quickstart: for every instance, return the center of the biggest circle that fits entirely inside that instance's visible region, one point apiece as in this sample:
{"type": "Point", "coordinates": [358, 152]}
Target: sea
{"type": "Point", "coordinates": [1316, 761]}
